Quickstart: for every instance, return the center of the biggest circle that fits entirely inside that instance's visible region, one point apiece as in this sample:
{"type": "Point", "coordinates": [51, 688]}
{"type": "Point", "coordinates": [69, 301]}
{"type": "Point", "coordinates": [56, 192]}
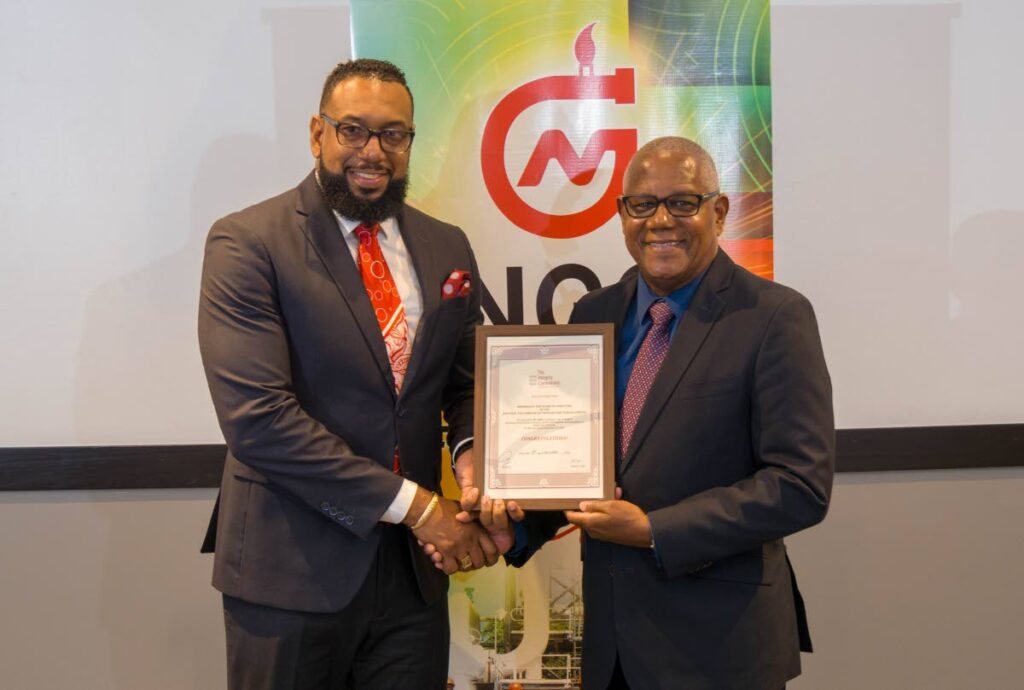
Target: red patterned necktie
{"type": "Point", "coordinates": [386, 302]}
{"type": "Point", "coordinates": [645, 368]}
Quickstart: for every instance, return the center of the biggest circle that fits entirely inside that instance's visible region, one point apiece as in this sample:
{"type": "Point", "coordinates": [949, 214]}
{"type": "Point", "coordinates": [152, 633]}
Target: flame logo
{"type": "Point", "coordinates": [585, 49]}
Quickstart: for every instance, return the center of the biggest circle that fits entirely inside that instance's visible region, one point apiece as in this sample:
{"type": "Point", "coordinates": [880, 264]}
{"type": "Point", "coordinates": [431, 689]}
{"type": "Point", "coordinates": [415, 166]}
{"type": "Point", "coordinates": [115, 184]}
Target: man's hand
{"type": "Point", "coordinates": [462, 546]}
{"type": "Point", "coordinates": [494, 516]}
{"type": "Point", "coordinates": [463, 470]}
{"type": "Point", "coordinates": [618, 521]}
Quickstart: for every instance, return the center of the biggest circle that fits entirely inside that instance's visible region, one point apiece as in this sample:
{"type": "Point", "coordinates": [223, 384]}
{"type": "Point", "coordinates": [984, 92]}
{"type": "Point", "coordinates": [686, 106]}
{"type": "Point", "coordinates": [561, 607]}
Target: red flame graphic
{"type": "Point", "coordinates": [585, 49]}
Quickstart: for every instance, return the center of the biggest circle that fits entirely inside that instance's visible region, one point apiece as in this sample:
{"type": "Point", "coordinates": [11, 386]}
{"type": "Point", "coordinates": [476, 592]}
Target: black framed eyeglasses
{"type": "Point", "coordinates": [678, 205]}
{"type": "Point", "coordinates": [354, 136]}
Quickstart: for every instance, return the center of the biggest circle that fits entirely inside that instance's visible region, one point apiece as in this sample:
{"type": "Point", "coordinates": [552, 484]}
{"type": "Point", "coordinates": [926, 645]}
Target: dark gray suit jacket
{"type": "Point", "coordinates": [304, 394]}
{"type": "Point", "coordinates": [734, 450]}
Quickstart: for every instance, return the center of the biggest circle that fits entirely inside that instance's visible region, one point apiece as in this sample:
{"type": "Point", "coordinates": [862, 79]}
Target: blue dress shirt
{"type": "Point", "coordinates": [638, 323]}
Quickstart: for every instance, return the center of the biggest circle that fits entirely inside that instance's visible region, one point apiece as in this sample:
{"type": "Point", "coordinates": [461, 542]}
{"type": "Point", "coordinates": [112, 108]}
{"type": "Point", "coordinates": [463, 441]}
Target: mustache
{"type": "Point", "coordinates": [338, 195]}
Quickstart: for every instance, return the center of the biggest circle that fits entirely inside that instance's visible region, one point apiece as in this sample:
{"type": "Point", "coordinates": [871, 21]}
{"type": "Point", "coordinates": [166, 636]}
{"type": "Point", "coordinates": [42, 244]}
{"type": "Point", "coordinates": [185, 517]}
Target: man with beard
{"type": "Point", "coordinates": [336, 323]}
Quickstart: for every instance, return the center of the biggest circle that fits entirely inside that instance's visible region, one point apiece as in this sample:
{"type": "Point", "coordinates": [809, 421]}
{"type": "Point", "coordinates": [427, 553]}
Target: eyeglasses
{"type": "Point", "coordinates": [678, 205]}
{"type": "Point", "coordinates": [355, 136]}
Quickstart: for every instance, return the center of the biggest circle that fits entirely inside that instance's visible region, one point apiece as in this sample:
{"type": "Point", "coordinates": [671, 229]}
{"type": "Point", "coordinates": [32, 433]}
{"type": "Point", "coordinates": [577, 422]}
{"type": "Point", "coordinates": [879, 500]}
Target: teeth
{"type": "Point", "coordinates": [367, 174]}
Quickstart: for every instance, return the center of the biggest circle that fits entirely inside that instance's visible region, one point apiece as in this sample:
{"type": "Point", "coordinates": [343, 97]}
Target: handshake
{"type": "Point", "coordinates": [455, 538]}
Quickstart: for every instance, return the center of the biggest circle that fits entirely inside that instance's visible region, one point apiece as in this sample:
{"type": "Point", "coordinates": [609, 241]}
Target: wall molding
{"type": "Point", "coordinates": [60, 468]}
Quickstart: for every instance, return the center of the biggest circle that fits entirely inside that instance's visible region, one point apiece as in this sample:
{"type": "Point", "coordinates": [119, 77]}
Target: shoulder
{"type": "Point", "coordinates": [763, 294]}
{"type": "Point", "coordinates": [259, 219]}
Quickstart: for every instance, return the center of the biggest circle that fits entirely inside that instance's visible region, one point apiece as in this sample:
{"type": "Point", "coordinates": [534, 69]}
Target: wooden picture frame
{"type": "Point", "coordinates": [544, 424]}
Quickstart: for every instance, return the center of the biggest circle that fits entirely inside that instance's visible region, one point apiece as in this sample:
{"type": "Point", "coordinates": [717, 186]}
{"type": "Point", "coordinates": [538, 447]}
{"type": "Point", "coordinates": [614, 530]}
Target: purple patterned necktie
{"type": "Point", "coordinates": [645, 368]}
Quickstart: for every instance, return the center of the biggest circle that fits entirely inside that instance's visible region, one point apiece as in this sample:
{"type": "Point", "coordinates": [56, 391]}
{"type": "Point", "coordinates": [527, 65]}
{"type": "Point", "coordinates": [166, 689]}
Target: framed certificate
{"type": "Point", "coordinates": [544, 426]}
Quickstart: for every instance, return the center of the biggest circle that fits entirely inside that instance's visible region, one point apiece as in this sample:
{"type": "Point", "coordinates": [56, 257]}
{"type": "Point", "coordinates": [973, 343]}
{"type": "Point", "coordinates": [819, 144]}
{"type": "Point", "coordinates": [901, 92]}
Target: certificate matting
{"type": "Point", "coordinates": [544, 414]}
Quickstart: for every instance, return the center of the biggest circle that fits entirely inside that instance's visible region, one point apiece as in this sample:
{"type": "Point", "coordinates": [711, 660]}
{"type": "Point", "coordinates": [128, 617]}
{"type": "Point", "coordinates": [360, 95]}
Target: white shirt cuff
{"type": "Point", "coordinates": [457, 448]}
{"type": "Point", "coordinates": [400, 506]}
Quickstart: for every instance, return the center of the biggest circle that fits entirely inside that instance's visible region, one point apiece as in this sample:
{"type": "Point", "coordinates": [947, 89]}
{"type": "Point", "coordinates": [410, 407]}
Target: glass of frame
{"type": "Point", "coordinates": [544, 425]}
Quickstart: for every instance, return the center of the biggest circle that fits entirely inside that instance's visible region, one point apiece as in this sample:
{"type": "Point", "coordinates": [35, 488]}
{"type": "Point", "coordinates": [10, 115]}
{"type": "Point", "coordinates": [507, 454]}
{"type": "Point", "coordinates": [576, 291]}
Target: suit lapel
{"type": "Point", "coordinates": [421, 250]}
{"type": "Point", "coordinates": [693, 330]}
{"type": "Point", "coordinates": [322, 231]}
{"type": "Point", "coordinates": [622, 301]}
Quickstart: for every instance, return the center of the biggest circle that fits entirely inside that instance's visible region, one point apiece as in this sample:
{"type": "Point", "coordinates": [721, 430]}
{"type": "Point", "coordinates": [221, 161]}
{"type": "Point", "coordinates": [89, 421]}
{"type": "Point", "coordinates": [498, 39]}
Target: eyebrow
{"type": "Point", "coordinates": [355, 119]}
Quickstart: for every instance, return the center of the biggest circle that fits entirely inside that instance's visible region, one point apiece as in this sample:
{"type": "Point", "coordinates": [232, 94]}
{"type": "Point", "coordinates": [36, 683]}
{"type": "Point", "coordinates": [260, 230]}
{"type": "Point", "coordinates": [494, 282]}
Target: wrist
{"type": "Point", "coordinates": [427, 512]}
{"type": "Point", "coordinates": [419, 503]}
{"type": "Point", "coordinates": [460, 448]}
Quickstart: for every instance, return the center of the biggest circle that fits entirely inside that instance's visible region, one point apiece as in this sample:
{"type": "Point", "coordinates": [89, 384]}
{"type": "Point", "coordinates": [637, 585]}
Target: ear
{"type": "Point", "coordinates": [621, 208]}
{"type": "Point", "coordinates": [721, 211]}
{"type": "Point", "coordinates": [316, 131]}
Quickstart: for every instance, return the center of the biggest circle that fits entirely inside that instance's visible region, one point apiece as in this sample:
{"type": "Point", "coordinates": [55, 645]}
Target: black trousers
{"type": "Point", "coordinates": [387, 637]}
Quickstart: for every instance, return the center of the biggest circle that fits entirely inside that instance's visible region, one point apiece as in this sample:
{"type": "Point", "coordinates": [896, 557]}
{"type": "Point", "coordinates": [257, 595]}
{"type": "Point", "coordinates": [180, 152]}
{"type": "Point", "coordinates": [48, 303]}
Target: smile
{"type": "Point", "coordinates": [368, 175]}
{"type": "Point", "coordinates": [664, 244]}
{"type": "Point", "coordinates": [367, 181]}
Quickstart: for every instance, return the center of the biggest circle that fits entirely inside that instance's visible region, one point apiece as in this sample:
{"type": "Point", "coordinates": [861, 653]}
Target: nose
{"type": "Point", "coordinates": [371, 149]}
{"type": "Point", "coordinates": [661, 218]}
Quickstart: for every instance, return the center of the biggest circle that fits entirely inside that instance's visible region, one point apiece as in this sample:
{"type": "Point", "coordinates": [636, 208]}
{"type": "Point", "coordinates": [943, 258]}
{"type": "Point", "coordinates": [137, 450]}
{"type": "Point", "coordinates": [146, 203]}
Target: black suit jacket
{"type": "Point", "coordinates": [304, 394]}
{"type": "Point", "coordinates": [733, 450]}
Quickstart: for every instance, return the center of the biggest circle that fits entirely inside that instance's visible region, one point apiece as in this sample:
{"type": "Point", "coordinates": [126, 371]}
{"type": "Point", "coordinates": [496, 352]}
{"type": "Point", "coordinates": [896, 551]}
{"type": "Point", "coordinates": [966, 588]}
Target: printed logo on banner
{"type": "Point", "coordinates": [553, 144]}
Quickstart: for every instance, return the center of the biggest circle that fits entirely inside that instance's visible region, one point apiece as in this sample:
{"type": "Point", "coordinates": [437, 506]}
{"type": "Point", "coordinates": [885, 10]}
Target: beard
{"type": "Point", "coordinates": [340, 197]}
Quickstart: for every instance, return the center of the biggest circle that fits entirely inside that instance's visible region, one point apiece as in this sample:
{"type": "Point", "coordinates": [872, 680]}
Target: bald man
{"type": "Point", "coordinates": [725, 446]}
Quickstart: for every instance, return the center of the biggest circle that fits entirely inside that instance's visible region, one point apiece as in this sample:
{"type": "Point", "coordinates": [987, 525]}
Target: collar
{"type": "Point", "coordinates": [677, 300]}
{"type": "Point", "coordinates": [348, 225]}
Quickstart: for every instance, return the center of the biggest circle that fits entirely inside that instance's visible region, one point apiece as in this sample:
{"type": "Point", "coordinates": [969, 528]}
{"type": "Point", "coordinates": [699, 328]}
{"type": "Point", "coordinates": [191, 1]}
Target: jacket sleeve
{"type": "Point", "coordinates": [246, 357]}
{"type": "Point", "coordinates": [536, 529]}
{"type": "Point", "coordinates": [793, 442]}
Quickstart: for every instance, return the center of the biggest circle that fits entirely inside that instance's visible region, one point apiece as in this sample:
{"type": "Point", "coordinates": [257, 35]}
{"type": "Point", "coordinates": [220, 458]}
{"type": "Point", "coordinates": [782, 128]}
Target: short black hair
{"type": "Point", "coordinates": [368, 68]}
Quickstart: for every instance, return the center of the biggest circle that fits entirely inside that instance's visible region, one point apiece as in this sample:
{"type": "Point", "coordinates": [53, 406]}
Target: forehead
{"type": "Point", "coordinates": [370, 99]}
{"type": "Point", "coordinates": [664, 172]}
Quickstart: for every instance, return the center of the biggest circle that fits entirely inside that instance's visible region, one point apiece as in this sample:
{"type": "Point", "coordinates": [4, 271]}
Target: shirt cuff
{"type": "Point", "coordinates": [399, 507]}
{"type": "Point", "coordinates": [654, 550]}
{"type": "Point", "coordinates": [459, 448]}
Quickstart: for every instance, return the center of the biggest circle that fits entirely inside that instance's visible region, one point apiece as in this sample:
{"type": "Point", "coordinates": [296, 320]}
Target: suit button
{"type": "Point", "coordinates": [611, 570]}
{"type": "Point", "coordinates": [400, 410]}
{"type": "Point", "coordinates": [325, 506]}
{"type": "Point", "coordinates": [349, 520]}
{"type": "Point", "coordinates": [333, 511]}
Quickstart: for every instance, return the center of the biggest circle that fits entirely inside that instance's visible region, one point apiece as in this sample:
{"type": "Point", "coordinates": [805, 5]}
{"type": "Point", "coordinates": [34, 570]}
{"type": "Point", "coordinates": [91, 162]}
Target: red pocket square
{"type": "Point", "coordinates": [456, 285]}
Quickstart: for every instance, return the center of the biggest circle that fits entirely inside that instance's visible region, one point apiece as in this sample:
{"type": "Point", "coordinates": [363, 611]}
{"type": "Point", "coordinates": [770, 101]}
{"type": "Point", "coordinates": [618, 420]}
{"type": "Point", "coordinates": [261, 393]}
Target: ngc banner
{"type": "Point", "coordinates": [527, 112]}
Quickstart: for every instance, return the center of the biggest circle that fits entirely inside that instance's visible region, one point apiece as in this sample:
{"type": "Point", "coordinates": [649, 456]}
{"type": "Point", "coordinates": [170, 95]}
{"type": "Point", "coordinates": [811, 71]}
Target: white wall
{"type": "Point", "coordinates": [106, 590]}
{"type": "Point", "coordinates": [912, 582]}
{"type": "Point", "coordinates": [126, 128]}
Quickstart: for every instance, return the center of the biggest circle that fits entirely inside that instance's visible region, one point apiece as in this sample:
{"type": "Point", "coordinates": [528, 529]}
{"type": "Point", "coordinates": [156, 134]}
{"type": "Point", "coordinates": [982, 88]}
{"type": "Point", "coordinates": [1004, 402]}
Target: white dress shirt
{"type": "Point", "coordinates": [392, 246]}
{"type": "Point", "coordinates": [396, 254]}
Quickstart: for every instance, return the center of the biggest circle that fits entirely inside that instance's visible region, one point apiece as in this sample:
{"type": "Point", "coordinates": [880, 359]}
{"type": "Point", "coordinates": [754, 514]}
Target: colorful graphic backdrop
{"type": "Point", "coordinates": [526, 113]}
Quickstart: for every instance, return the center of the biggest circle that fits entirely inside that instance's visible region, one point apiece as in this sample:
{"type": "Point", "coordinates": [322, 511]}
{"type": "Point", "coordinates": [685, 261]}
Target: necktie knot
{"type": "Point", "coordinates": [367, 232]}
{"type": "Point", "coordinates": [661, 314]}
